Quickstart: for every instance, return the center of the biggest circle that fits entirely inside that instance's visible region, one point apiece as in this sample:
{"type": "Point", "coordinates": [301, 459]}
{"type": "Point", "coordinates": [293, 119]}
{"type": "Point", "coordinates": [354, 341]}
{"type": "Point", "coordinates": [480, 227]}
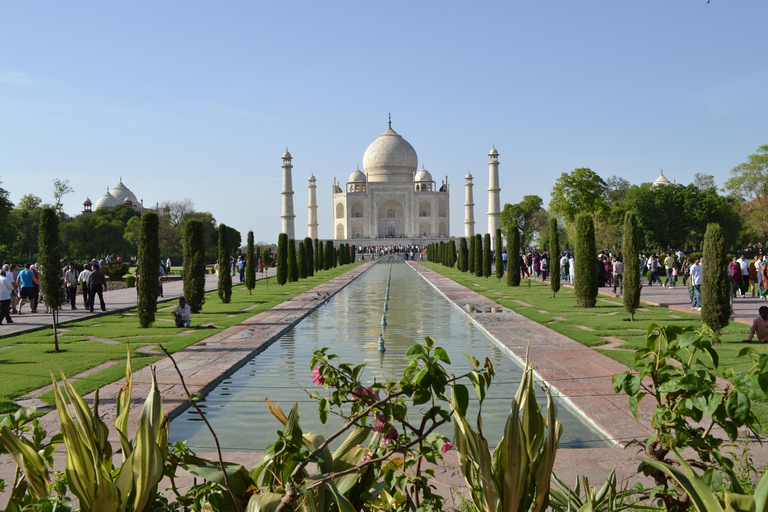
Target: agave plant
{"type": "Point", "coordinates": [516, 477]}
{"type": "Point", "coordinates": [609, 498]}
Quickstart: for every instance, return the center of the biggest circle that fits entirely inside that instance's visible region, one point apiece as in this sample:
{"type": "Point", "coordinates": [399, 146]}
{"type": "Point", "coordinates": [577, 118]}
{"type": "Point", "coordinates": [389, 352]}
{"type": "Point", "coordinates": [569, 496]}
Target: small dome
{"type": "Point", "coordinates": [493, 152]}
{"type": "Point", "coordinates": [87, 202]}
{"type": "Point", "coordinates": [287, 154]}
{"type": "Point", "coordinates": [423, 175]}
{"type": "Point", "coordinates": [661, 180]}
{"type": "Point", "coordinates": [107, 201]}
{"type": "Point", "coordinates": [357, 176]}
{"type": "Point", "coordinates": [312, 178]}
{"type": "Point", "coordinates": [121, 193]}
{"type": "Point", "coordinates": [468, 176]}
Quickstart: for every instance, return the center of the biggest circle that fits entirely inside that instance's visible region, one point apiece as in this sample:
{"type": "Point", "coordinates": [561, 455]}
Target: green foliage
{"type": "Point", "coordinates": [715, 283]}
{"type": "Point", "coordinates": [293, 264]}
{"type": "Point", "coordinates": [330, 255]}
{"type": "Point", "coordinates": [463, 258]}
{"type": "Point", "coordinates": [609, 498]}
{"type": "Point", "coordinates": [319, 256]}
{"type": "Point", "coordinates": [524, 215]}
{"type": "Point", "coordinates": [554, 256]}
{"type": "Point", "coordinates": [149, 268]}
{"type": "Point", "coordinates": [50, 269]}
{"type": "Point", "coordinates": [302, 261]}
{"type": "Point", "coordinates": [517, 475]}
{"type": "Point", "coordinates": [24, 221]}
{"type": "Point", "coordinates": [308, 247]}
{"type": "Point", "coordinates": [130, 281]}
{"type": "Point", "coordinates": [581, 191]}
{"type": "Point", "coordinates": [479, 255]}
{"type": "Point", "coordinates": [749, 185]}
{"type": "Point", "coordinates": [282, 259]}
{"type": "Point", "coordinates": [225, 278]}
{"type": "Point", "coordinates": [678, 370]}
{"type": "Point", "coordinates": [513, 255]}
{"type": "Point", "coordinates": [631, 265]}
{"type": "Point", "coordinates": [471, 255]}
{"type": "Point", "coordinates": [499, 260]}
{"type": "Point", "coordinates": [115, 269]}
{"type": "Point", "coordinates": [194, 264]}
{"type": "Point", "coordinates": [487, 255]}
{"type": "Point", "coordinates": [585, 256]}
{"type": "Point", "coordinates": [250, 264]}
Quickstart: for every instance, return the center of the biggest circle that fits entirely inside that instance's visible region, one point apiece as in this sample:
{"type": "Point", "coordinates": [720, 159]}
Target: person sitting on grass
{"type": "Point", "coordinates": [760, 326]}
{"type": "Point", "coordinates": [182, 313]}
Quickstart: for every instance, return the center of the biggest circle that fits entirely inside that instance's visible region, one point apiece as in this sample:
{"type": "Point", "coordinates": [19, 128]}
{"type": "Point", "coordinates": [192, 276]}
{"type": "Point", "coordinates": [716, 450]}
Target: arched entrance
{"type": "Point", "coordinates": [391, 218]}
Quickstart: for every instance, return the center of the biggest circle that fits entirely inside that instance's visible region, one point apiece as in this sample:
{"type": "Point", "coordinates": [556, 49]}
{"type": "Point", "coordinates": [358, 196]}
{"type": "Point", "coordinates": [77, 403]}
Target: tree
{"type": "Point", "coordinates": [293, 266]}
{"type": "Point", "coordinates": [310, 257]}
{"type": "Point", "coordinates": [6, 207]}
{"type": "Point", "coordinates": [554, 257]}
{"type": "Point", "coordinates": [704, 181]}
{"type": "Point", "coordinates": [463, 255]}
{"type": "Point", "coordinates": [250, 265]}
{"type": "Point", "coordinates": [487, 255]}
{"type": "Point", "coordinates": [522, 214]}
{"type": "Point", "coordinates": [585, 255]}
{"type": "Point", "coordinates": [149, 268]}
{"type": "Point", "coordinates": [282, 259]}
{"type": "Point", "coordinates": [25, 224]}
{"type": "Point", "coordinates": [194, 264]}
{"type": "Point", "coordinates": [319, 255]}
{"type": "Point", "coordinates": [452, 250]}
{"type": "Point", "coordinates": [715, 285]}
{"type": "Point", "coordinates": [615, 189]}
{"type": "Point", "coordinates": [750, 186]}
{"type": "Point", "coordinates": [330, 256]}
{"type": "Point", "coordinates": [513, 255]}
{"type": "Point", "coordinates": [478, 255]}
{"type": "Point", "coordinates": [225, 278]}
{"type": "Point", "coordinates": [631, 246]}
{"type": "Point", "coordinates": [266, 262]}
{"type": "Point", "coordinates": [302, 261]}
{"type": "Point", "coordinates": [60, 189]}
{"type": "Point", "coordinates": [471, 255]}
{"type": "Point", "coordinates": [499, 259]}
{"type": "Point", "coordinates": [50, 269]}
{"type": "Point", "coordinates": [580, 191]}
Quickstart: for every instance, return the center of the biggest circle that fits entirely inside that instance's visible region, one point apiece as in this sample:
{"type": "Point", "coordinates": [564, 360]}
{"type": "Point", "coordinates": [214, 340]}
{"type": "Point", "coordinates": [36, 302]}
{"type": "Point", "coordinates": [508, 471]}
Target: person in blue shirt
{"type": "Point", "coordinates": [27, 281]}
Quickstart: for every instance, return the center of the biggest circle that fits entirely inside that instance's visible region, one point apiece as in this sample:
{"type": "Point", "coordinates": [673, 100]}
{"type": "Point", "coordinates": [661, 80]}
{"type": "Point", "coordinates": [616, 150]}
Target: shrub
{"type": "Point", "coordinates": [330, 255]}
{"type": "Point", "coordinates": [250, 264]}
{"type": "Point", "coordinates": [715, 285]}
{"type": "Point", "coordinates": [554, 256]}
{"type": "Point", "coordinates": [302, 261]}
{"type": "Point", "coordinates": [310, 256]}
{"type": "Point", "coordinates": [319, 258]}
{"type": "Point", "coordinates": [631, 265]}
{"type": "Point", "coordinates": [225, 278]}
{"type": "Point", "coordinates": [194, 264]}
{"type": "Point", "coordinates": [479, 255]}
{"type": "Point", "coordinates": [487, 256]}
{"type": "Point", "coordinates": [149, 267]}
{"type": "Point", "coordinates": [463, 255]}
{"type": "Point", "coordinates": [499, 258]}
{"type": "Point", "coordinates": [50, 276]}
{"type": "Point", "coordinates": [130, 281]}
{"type": "Point", "coordinates": [115, 270]}
{"type": "Point", "coordinates": [293, 265]}
{"type": "Point", "coordinates": [282, 259]}
{"type": "Point", "coordinates": [471, 256]}
{"type": "Point", "coordinates": [513, 255]}
{"type": "Point", "coordinates": [585, 255]}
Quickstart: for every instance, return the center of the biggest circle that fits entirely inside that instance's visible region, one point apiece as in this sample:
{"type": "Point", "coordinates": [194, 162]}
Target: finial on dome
{"type": "Point", "coordinates": [390, 119]}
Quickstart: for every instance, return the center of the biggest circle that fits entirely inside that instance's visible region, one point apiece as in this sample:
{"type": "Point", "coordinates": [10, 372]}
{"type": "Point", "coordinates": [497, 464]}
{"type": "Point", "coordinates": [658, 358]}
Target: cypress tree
{"type": "Point", "coordinates": [50, 269]}
{"type": "Point", "coordinates": [487, 255]}
{"type": "Point", "coordinates": [513, 255]}
{"type": "Point", "coordinates": [282, 259]}
{"type": "Point", "coordinates": [585, 254]}
{"type": "Point", "coordinates": [463, 255]}
{"type": "Point", "coordinates": [330, 257]}
{"type": "Point", "coordinates": [194, 264]}
{"type": "Point", "coordinates": [471, 255]}
{"type": "Point", "coordinates": [452, 248]}
{"type": "Point", "coordinates": [321, 255]}
{"type": "Point", "coordinates": [554, 256]}
{"type": "Point", "coordinates": [344, 256]}
{"type": "Point", "coordinates": [149, 267]}
{"type": "Point", "coordinates": [250, 264]}
{"type": "Point", "coordinates": [499, 259]}
{"type": "Point", "coordinates": [225, 278]}
{"type": "Point", "coordinates": [266, 262]}
{"type": "Point", "coordinates": [335, 252]}
{"type": "Point", "coordinates": [310, 257]}
{"type": "Point", "coordinates": [479, 255]}
{"type": "Point", "coordinates": [302, 261]}
{"type": "Point", "coordinates": [293, 264]}
{"type": "Point", "coordinates": [715, 285]}
{"type": "Point", "coordinates": [630, 244]}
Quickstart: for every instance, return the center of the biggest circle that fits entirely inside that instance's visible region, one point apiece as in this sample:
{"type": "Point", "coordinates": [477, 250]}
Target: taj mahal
{"type": "Point", "coordinates": [391, 197]}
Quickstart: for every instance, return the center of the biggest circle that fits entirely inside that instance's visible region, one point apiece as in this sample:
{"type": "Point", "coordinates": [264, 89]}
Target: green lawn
{"type": "Point", "coordinates": [591, 326]}
{"type": "Point", "coordinates": [27, 359]}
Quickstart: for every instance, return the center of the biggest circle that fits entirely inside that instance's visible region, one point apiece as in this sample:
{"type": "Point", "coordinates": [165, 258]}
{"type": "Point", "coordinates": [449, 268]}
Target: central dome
{"type": "Point", "coordinates": [390, 158]}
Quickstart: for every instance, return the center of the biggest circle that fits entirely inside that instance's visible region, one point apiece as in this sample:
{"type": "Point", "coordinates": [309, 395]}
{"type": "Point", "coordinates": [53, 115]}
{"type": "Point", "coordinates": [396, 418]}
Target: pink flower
{"type": "Point", "coordinates": [365, 458]}
{"type": "Point", "coordinates": [316, 377]}
{"type": "Point", "coordinates": [392, 435]}
{"type": "Point", "coordinates": [361, 392]}
{"type": "Point", "coordinates": [380, 427]}
{"type": "Point", "coordinates": [447, 445]}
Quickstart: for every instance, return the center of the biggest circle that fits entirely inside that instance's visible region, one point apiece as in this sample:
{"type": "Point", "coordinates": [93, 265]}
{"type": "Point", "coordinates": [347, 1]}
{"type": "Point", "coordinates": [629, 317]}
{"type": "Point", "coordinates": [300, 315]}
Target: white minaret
{"type": "Point", "coordinates": [312, 207]}
{"type": "Point", "coordinates": [469, 208]}
{"type": "Point", "coordinates": [288, 215]}
{"type": "Point", "coordinates": [494, 210]}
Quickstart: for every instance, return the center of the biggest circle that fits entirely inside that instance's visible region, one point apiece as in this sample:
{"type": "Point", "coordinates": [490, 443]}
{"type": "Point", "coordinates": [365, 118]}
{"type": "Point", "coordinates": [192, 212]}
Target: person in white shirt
{"type": "Point", "coordinates": [6, 289]}
{"type": "Point", "coordinates": [696, 283]}
{"type": "Point", "coordinates": [744, 262]}
{"type": "Point", "coordinates": [83, 279]}
{"type": "Point", "coordinates": [182, 313]}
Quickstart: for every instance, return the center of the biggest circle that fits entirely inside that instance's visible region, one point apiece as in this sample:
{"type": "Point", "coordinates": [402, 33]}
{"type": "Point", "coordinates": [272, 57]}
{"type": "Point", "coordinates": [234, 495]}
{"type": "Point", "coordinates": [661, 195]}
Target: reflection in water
{"type": "Point", "coordinates": [350, 325]}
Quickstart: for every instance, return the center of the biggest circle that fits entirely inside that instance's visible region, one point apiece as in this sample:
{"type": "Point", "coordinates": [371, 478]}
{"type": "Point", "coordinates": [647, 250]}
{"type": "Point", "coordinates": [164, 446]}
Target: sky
{"type": "Point", "coordinates": [199, 99]}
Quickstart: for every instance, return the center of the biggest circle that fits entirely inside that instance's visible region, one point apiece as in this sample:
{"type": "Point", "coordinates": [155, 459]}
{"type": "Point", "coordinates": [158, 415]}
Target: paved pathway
{"type": "Point", "coordinates": [115, 300]}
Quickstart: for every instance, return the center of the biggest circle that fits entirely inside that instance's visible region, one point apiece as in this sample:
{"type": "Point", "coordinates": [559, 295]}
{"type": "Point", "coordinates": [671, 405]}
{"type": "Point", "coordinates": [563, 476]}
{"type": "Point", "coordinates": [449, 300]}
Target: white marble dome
{"type": "Point", "coordinates": [121, 193]}
{"type": "Point", "coordinates": [423, 175]}
{"type": "Point", "coordinates": [390, 158]}
{"type": "Point", "coordinates": [107, 201]}
{"type": "Point", "coordinates": [357, 176]}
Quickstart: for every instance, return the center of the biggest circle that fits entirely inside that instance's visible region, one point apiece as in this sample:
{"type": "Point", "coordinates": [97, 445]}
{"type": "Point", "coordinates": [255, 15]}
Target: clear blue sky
{"type": "Point", "coordinates": [199, 99]}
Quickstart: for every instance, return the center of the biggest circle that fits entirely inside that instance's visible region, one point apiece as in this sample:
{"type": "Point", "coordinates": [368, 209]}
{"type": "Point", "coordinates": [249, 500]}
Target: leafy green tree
{"type": "Point", "coordinates": [524, 214]}
{"type": "Point", "coordinates": [452, 249]}
{"type": "Point", "coordinates": [225, 278]}
{"type": "Point", "coordinates": [24, 221]}
{"type": "Point", "coordinates": [750, 185]}
{"type": "Point", "coordinates": [302, 261]}
{"type": "Point", "coordinates": [6, 234]}
{"type": "Point", "coordinates": [50, 269]}
{"type": "Point", "coordinates": [60, 189]}
{"type": "Point", "coordinates": [615, 189]}
{"type": "Point", "coordinates": [631, 246]}
{"type": "Point", "coordinates": [330, 256]}
{"type": "Point", "coordinates": [554, 256]}
{"type": "Point", "coordinates": [250, 264]}
{"type": "Point", "coordinates": [463, 255]}
{"type": "Point", "coordinates": [478, 255]}
{"type": "Point", "coordinates": [310, 257]}
{"type": "Point", "coordinates": [580, 191]}
{"type": "Point", "coordinates": [715, 285]}
{"type": "Point", "coordinates": [513, 255]}
{"type": "Point", "coordinates": [585, 256]}
{"type": "Point", "coordinates": [499, 259]}
{"type": "Point", "coordinates": [149, 268]}
{"type": "Point", "coordinates": [282, 259]}
{"type": "Point", "coordinates": [320, 255]}
{"type": "Point", "coordinates": [471, 255]}
{"type": "Point", "coordinates": [194, 264]}
{"type": "Point", "coordinates": [487, 256]}
{"type": "Point", "coordinates": [293, 265]}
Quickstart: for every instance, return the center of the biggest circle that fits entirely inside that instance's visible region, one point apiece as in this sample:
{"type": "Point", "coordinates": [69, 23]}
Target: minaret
{"type": "Point", "coordinates": [469, 208]}
{"type": "Point", "coordinates": [287, 215]}
{"type": "Point", "coordinates": [493, 195]}
{"type": "Point", "coordinates": [312, 207]}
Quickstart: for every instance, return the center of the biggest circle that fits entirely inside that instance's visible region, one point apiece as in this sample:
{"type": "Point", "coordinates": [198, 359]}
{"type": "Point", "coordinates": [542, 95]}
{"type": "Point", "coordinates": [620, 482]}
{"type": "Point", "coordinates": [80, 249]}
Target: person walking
{"type": "Point", "coordinates": [6, 291]}
{"type": "Point", "coordinates": [70, 284]}
{"type": "Point", "coordinates": [618, 275]}
{"type": "Point", "coordinates": [26, 283]}
{"type": "Point", "coordinates": [669, 267]}
{"type": "Point", "coordinates": [696, 271]}
{"type": "Point", "coordinates": [97, 282]}
{"type": "Point", "coordinates": [653, 266]}
{"type": "Point", "coordinates": [83, 280]}
{"type": "Point", "coordinates": [744, 285]}
{"type": "Point", "coordinates": [735, 270]}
